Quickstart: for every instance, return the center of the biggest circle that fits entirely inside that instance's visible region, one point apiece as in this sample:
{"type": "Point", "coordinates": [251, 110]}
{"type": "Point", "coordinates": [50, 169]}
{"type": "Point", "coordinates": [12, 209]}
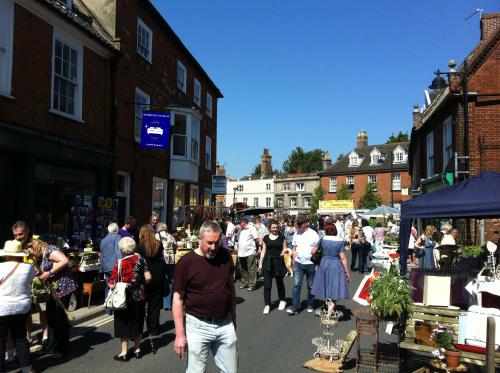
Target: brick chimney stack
{"type": "Point", "coordinates": [266, 167]}
{"type": "Point", "coordinates": [416, 115]}
{"type": "Point", "coordinates": [362, 139]}
{"type": "Point", "coordinates": [490, 23]}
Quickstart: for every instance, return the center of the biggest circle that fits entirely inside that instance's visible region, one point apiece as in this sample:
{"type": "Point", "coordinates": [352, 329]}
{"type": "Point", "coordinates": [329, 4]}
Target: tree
{"type": "Point", "coordinates": [370, 199]}
{"type": "Point", "coordinates": [316, 197]}
{"type": "Point", "coordinates": [400, 137]}
{"type": "Point", "coordinates": [302, 161]}
{"type": "Point", "coordinates": [256, 171]}
{"type": "Point", "coordinates": [340, 157]}
{"type": "Point", "coordinates": [343, 192]}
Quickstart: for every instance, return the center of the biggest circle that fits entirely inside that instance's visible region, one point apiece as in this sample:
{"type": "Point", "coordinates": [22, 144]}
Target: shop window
{"type": "Point", "coordinates": [123, 190]}
{"type": "Point", "coordinates": [207, 197]}
{"type": "Point", "coordinates": [178, 207]}
{"type": "Point", "coordinates": [159, 199]}
{"type": "Point", "coordinates": [193, 195]}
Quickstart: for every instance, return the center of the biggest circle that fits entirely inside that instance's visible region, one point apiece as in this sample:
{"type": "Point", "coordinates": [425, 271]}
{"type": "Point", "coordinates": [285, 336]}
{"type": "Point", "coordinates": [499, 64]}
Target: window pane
{"type": "Point", "coordinates": [179, 124]}
{"type": "Point", "coordinates": [179, 147]}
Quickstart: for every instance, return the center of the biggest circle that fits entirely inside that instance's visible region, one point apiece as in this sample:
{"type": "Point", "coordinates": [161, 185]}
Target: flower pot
{"type": "Point", "coordinates": [452, 358]}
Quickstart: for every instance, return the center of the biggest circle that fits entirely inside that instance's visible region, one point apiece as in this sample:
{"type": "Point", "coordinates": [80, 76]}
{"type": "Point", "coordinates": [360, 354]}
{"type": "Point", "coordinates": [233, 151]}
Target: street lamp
{"type": "Point", "coordinates": [234, 194]}
{"type": "Point", "coordinates": [439, 84]}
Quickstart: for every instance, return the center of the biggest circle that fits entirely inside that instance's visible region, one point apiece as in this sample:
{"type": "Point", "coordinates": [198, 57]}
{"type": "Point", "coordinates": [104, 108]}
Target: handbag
{"type": "Point", "coordinates": [117, 297]}
{"type": "Point", "coordinates": [419, 253]}
{"type": "Point", "coordinates": [316, 257]}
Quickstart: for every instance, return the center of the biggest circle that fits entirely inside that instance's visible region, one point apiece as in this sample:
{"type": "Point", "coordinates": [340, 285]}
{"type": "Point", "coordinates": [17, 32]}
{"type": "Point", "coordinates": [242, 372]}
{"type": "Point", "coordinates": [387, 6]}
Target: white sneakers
{"type": "Point", "coordinates": [266, 310]}
{"type": "Point", "coordinates": [282, 305]}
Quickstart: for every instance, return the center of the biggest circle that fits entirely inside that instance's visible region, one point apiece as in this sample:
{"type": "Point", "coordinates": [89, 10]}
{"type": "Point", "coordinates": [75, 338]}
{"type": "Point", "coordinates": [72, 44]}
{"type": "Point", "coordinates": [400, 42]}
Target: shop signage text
{"type": "Point", "coordinates": [155, 130]}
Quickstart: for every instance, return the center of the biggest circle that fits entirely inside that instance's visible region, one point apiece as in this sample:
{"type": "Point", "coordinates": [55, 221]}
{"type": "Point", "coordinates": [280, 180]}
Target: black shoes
{"type": "Point", "coordinates": [138, 354]}
{"type": "Point", "coordinates": [122, 358]}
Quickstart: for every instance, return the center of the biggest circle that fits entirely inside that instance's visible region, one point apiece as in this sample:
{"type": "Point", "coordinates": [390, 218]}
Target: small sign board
{"type": "Point", "coordinates": [342, 204]}
{"type": "Point", "coordinates": [219, 185]}
{"type": "Point", "coordinates": [155, 130]}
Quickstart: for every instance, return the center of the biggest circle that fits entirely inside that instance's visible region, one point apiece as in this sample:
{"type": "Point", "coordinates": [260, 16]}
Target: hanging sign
{"type": "Point", "coordinates": [342, 204]}
{"type": "Point", "coordinates": [219, 185]}
{"type": "Point", "coordinates": [155, 130]}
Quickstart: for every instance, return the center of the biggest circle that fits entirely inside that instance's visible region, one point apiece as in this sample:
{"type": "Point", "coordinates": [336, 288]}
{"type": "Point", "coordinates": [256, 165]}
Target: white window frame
{"type": "Point", "coordinates": [372, 179]}
{"type": "Point", "coordinates": [125, 193]}
{"type": "Point", "coordinates": [300, 187]}
{"type": "Point", "coordinates": [149, 48]}
{"type": "Point", "coordinates": [209, 105]}
{"type": "Point", "coordinates": [76, 45]}
{"type": "Point", "coordinates": [332, 186]}
{"type": "Point", "coordinates": [239, 187]}
{"type": "Point", "coordinates": [268, 201]}
{"type": "Point", "coordinates": [447, 141]}
{"type": "Point", "coordinates": [354, 160]}
{"type": "Point", "coordinates": [208, 153]}
{"type": "Point", "coordinates": [181, 80]}
{"type": "Point", "coordinates": [430, 154]}
{"type": "Point", "coordinates": [192, 136]}
{"type": "Point", "coordinates": [286, 187]}
{"type": "Point", "coordinates": [349, 180]}
{"type": "Point", "coordinates": [144, 103]}
{"type": "Point", "coordinates": [279, 201]}
{"type": "Point", "coordinates": [396, 181]}
{"type": "Point", "coordinates": [268, 186]}
{"type": "Point", "coordinates": [245, 200]}
{"type": "Point", "coordinates": [307, 202]}
{"type": "Point", "coordinates": [161, 209]}
{"type": "Point", "coordinates": [256, 201]}
{"type": "Point", "coordinates": [375, 156]}
{"type": "Point", "coordinates": [197, 92]}
{"type": "Point", "coordinates": [6, 46]}
{"type": "Point", "coordinates": [293, 201]}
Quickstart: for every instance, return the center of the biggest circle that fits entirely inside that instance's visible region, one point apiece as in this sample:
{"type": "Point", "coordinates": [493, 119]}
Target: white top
{"type": "Point", "coordinates": [229, 230]}
{"type": "Point", "coordinates": [448, 240]}
{"type": "Point", "coordinates": [368, 231]}
{"type": "Point", "coordinates": [246, 243]}
{"type": "Point", "coordinates": [340, 230]}
{"type": "Point", "coordinates": [303, 242]}
{"type": "Point", "coordinates": [15, 292]}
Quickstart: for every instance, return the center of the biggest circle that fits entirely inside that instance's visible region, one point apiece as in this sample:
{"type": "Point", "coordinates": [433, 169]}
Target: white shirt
{"type": "Point", "coordinates": [368, 231]}
{"type": "Point", "coordinates": [340, 230]}
{"type": "Point", "coordinates": [448, 240]}
{"type": "Point", "coordinates": [15, 292]}
{"type": "Point", "coordinates": [246, 242]}
{"type": "Point", "coordinates": [303, 242]}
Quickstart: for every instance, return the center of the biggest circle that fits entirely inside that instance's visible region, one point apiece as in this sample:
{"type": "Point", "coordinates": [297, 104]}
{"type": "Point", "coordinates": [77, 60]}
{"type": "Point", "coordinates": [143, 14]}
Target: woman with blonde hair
{"type": "Point", "coordinates": [150, 249]}
{"type": "Point", "coordinates": [169, 247]}
{"type": "Point", "coordinates": [424, 248]}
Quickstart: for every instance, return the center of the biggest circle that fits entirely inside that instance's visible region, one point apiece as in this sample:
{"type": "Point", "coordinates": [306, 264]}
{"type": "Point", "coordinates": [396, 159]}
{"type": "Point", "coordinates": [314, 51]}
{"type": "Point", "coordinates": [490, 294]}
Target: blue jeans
{"type": "Point", "coordinates": [107, 276]}
{"type": "Point", "coordinates": [299, 271]}
{"type": "Point", "coordinates": [219, 338]}
{"type": "Point", "coordinates": [167, 301]}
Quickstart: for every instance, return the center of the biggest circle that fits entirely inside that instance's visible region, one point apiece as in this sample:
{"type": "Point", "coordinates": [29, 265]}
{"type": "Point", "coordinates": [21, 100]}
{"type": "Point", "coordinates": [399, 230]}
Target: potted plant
{"type": "Point", "coordinates": [444, 339]}
{"type": "Point", "coordinates": [390, 295]}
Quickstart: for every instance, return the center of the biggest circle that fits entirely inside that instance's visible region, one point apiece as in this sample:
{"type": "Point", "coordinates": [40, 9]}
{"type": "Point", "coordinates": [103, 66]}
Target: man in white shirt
{"type": "Point", "coordinates": [305, 244]}
{"type": "Point", "coordinates": [247, 253]}
{"type": "Point", "coordinates": [229, 232]}
{"type": "Point", "coordinates": [340, 228]}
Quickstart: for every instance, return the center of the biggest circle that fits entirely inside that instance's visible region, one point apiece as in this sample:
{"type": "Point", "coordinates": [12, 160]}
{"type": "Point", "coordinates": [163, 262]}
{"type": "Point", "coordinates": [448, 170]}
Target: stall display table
{"type": "Point", "coordinates": [384, 258]}
{"type": "Point", "coordinates": [483, 293]}
{"type": "Point", "coordinates": [439, 366]}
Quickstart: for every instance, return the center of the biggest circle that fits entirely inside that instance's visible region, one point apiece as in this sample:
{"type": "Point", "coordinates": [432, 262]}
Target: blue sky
{"type": "Point", "coordinates": [312, 73]}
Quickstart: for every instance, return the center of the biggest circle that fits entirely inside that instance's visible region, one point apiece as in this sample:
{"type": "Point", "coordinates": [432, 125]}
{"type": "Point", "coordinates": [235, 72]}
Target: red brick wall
{"type": "Point", "coordinates": [31, 84]}
{"type": "Point", "coordinates": [384, 185]}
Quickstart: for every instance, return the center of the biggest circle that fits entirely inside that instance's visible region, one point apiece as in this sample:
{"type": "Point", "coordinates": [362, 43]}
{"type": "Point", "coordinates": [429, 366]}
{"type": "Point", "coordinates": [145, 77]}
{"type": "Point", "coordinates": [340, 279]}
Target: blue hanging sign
{"type": "Point", "coordinates": [155, 131]}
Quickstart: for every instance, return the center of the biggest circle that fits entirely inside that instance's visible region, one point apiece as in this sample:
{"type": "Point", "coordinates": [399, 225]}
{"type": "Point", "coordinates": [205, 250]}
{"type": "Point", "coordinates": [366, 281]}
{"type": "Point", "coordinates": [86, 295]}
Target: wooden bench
{"type": "Point", "coordinates": [443, 317]}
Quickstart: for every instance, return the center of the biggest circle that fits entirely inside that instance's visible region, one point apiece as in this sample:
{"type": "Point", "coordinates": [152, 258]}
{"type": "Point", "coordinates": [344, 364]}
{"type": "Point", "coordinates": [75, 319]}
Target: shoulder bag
{"type": "Point", "coordinates": [117, 297]}
{"type": "Point", "coordinates": [316, 257]}
{"type": "Point", "coordinates": [2, 281]}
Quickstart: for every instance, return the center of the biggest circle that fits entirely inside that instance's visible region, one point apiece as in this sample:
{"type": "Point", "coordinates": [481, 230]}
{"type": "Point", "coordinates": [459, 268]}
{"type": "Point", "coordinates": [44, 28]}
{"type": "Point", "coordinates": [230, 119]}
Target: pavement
{"type": "Point", "coordinates": [272, 343]}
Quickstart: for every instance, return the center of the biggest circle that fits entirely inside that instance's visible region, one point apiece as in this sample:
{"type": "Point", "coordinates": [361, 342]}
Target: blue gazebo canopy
{"type": "Point", "coordinates": [476, 197]}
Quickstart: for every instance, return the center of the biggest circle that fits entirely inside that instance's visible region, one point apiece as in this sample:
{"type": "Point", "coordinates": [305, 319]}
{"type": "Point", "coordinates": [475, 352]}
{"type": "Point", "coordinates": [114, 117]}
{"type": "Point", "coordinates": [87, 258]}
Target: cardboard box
{"type": "Point", "coordinates": [437, 291]}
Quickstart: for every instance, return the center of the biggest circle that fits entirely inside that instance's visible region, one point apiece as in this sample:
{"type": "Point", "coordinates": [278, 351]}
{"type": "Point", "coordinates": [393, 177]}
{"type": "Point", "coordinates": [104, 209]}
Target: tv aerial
{"type": "Point", "coordinates": [478, 10]}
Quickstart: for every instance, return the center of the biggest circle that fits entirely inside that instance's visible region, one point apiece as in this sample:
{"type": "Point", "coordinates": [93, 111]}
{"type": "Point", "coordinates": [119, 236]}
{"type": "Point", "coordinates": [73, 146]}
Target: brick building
{"type": "Point", "coordinates": [56, 137]}
{"type": "Point", "coordinates": [385, 165]}
{"type": "Point", "coordinates": [156, 71]}
{"type": "Point", "coordinates": [442, 139]}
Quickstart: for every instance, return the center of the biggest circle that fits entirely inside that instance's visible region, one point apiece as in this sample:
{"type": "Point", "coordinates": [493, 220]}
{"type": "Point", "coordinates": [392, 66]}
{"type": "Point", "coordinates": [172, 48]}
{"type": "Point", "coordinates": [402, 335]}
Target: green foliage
{"type": "Point", "coordinates": [317, 196]}
{"type": "Point", "coordinates": [256, 171]}
{"type": "Point", "coordinates": [343, 192]}
{"type": "Point", "coordinates": [471, 251]}
{"type": "Point", "coordinates": [391, 295]}
{"type": "Point", "coordinates": [302, 161]}
{"type": "Point", "coordinates": [444, 339]}
{"type": "Point", "coordinates": [340, 157]}
{"type": "Point", "coordinates": [400, 137]}
{"type": "Point", "coordinates": [370, 199]}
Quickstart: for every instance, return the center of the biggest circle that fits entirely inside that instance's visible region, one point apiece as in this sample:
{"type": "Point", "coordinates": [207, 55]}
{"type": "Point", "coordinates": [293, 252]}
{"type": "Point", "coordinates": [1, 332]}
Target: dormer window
{"type": "Point", "coordinates": [354, 160]}
{"type": "Point", "coordinates": [399, 155]}
{"type": "Point", "coordinates": [374, 157]}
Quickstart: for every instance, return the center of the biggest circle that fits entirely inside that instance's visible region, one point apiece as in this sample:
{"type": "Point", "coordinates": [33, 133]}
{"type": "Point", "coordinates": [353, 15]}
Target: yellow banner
{"type": "Point", "coordinates": [343, 204]}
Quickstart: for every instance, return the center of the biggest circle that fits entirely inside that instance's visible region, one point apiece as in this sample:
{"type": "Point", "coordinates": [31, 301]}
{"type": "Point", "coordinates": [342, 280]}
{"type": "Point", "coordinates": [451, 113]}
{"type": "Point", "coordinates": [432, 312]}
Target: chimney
{"type": "Point", "coordinates": [490, 23]}
{"type": "Point", "coordinates": [326, 161]}
{"type": "Point", "coordinates": [416, 116]}
{"type": "Point", "coordinates": [362, 139]}
{"type": "Point", "coordinates": [266, 168]}
{"type": "Point", "coordinates": [220, 170]}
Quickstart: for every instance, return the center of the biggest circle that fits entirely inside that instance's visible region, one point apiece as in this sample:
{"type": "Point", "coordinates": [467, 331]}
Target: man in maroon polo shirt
{"type": "Point", "coordinates": [204, 292]}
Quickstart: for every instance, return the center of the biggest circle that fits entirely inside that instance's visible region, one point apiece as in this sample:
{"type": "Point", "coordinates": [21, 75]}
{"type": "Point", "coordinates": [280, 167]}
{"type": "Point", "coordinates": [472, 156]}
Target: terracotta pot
{"type": "Point", "coordinates": [452, 358]}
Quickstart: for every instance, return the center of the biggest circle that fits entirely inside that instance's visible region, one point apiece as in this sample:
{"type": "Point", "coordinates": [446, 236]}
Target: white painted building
{"type": "Point", "coordinates": [253, 191]}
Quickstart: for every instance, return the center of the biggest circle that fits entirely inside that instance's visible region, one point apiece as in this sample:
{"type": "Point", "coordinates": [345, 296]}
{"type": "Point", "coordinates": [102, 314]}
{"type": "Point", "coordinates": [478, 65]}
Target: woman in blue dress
{"type": "Point", "coordinates": [332, 274]}
{"type": "Point", "coordinates": [425, 246]}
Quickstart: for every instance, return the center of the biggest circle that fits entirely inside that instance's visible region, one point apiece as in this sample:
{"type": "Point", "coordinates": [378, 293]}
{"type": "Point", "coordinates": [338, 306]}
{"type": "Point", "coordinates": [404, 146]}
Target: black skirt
{"type": "Point", "coordinates": [129, 322]}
